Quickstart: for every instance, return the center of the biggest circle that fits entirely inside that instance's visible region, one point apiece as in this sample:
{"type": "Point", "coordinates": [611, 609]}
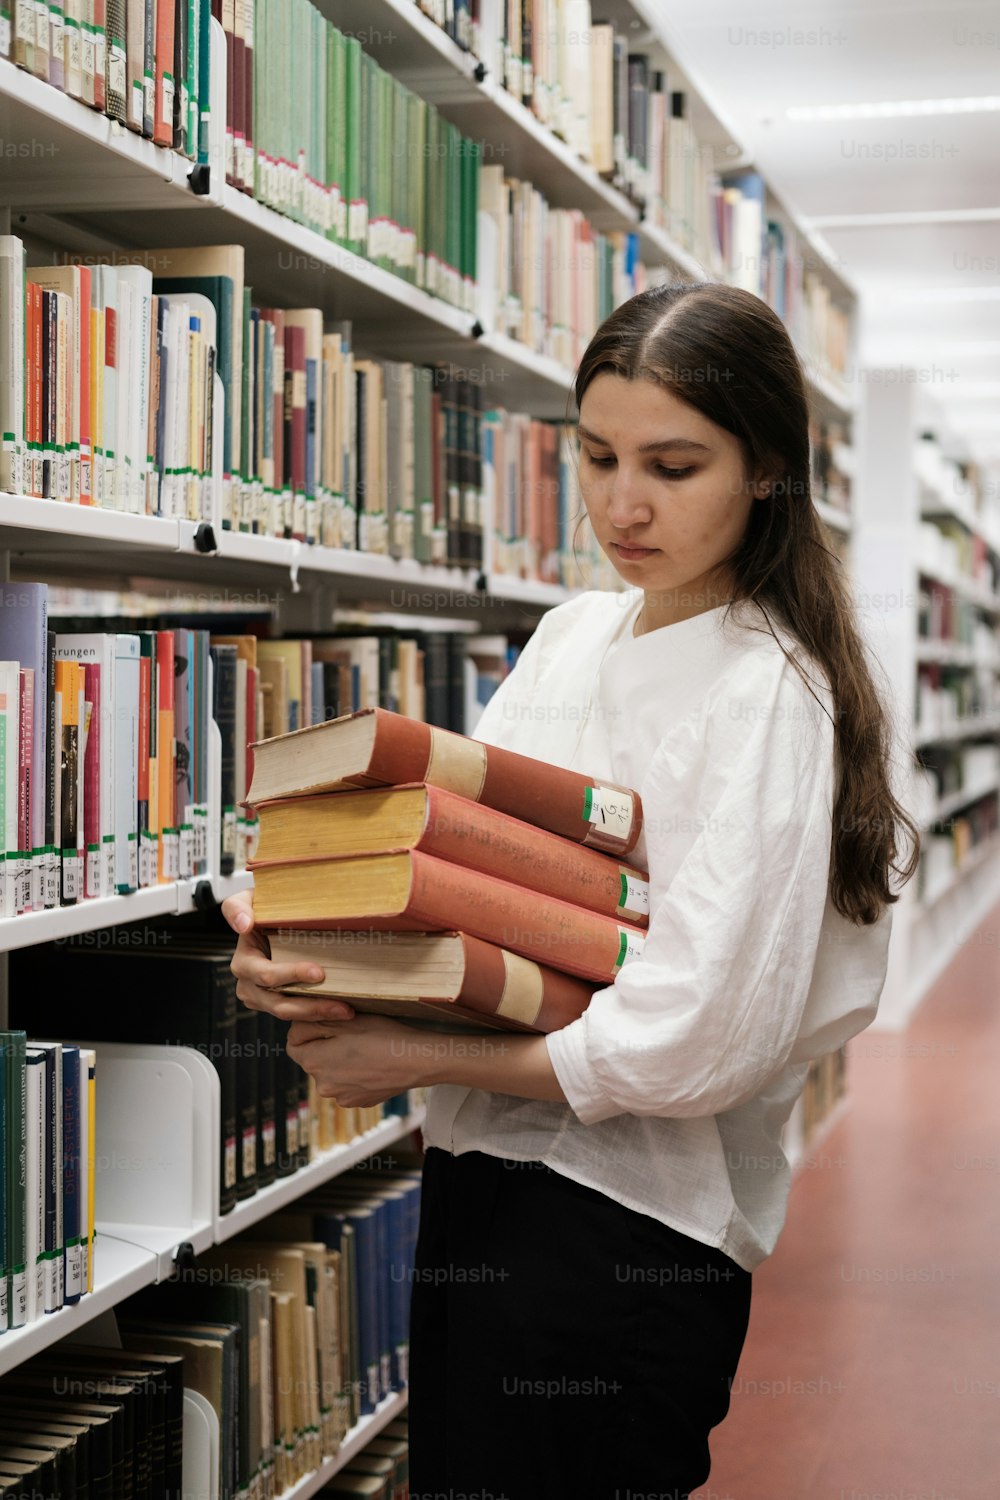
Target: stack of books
{"type": "Point", "coordinates": [432, 876]}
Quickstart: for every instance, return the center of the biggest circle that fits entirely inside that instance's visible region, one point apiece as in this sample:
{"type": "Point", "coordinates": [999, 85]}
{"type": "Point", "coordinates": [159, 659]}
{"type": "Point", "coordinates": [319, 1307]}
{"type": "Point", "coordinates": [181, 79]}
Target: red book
{"type": "Point", "coordinates": [26, 710]}
{"type": "Point", "coordinates": [414, 891]}
{"type": "Point", "coordinates": [439, 977]}
{"type": "Point", "coordinates": [35, 384]}
{"type": "Point", "coordinates": [166, 83]}
{"type": "Point", "coordinates": [376, 747]}
{"type": "Point", "coordinates": [92, 782]}
{"type": "Point", "coordinates": [437, 822]}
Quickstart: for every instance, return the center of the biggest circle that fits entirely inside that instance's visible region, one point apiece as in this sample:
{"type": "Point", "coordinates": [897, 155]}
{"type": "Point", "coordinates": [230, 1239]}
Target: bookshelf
{"type": "Point", "coordinates": [928, 545]}
{"type": "Point", "coordinates": [88, 186]}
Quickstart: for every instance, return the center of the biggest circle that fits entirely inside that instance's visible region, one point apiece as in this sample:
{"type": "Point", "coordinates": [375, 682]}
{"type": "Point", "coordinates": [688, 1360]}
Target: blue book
{"type": "Point", "coordinates": [71, 1175]}
{"type": "Point", "coordinates": [363, 1222]}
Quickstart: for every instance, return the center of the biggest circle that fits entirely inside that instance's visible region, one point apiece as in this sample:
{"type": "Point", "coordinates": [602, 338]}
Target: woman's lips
{"type": "Point", "coordinates": [633, 554]}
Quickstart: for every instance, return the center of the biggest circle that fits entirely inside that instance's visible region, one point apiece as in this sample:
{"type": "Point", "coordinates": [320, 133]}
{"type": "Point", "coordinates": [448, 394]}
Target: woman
{"type": "Point", "coordinates": [595, 1201]}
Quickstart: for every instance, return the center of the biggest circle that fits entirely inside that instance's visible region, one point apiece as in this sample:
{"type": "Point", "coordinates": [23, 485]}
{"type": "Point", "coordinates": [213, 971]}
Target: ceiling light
{"type": "Point", "coordinates": [894, 109]}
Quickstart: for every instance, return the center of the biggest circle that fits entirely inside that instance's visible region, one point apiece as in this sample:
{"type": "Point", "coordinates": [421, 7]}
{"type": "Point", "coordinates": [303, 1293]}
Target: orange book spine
{"type": "Point", "coordinates": [538, 927]}
{"type": "Point", "coordinates": [163, 109]}
{"type": "Point", "coordinates": [166, 750]}
{"type": "Point", "coordinates": [523, 995]}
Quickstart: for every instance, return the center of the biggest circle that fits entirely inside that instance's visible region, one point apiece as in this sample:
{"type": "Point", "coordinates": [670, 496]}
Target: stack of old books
{"type": "Point", "coordinates": [429, 874]}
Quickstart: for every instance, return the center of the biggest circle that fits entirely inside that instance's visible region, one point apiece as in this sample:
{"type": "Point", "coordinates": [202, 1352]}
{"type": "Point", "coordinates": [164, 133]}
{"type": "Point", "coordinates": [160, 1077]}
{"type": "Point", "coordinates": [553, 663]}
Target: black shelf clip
{"type": "Point", "coordinates": [204, 898]}
{"type": "Point", "coordinates": [199, 179]}
{"type": "Point", "coordinates": [204, 538]}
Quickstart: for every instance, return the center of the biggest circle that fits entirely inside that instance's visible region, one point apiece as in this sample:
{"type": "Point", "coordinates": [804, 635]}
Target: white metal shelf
{"type": "Point", "coordinates": [63, 922]}
{"type": "Point", "coordinates": [954, 654]}
{"type": "Point", "coordinates": [961, 729]}
{"type": "Point", "coordinates": [963, 798]}
{"type": "Point", "coordinates": [976, 857]}
{"type": "Point", "coordinates": [827, 390]}
{"type": "Point", "coordinates": [285, 1190]}
{"type": "Point", "coordinates": [967, 588]}
{"type": "Point", "coordinates": [119, 1270]}
{"type": "Point", "coordinates": [935, 503]}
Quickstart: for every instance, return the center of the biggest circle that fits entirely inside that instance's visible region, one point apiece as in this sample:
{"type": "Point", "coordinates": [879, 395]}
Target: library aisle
{"type": "Point", "coordinates": [870, 1368]}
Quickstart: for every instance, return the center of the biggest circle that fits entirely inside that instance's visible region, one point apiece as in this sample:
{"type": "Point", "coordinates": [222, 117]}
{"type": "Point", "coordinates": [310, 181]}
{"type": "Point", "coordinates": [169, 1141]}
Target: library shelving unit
{"type": "Point", "coordinates": [928, 568]}
{"type": "Point", "coordinates": [83, 185]}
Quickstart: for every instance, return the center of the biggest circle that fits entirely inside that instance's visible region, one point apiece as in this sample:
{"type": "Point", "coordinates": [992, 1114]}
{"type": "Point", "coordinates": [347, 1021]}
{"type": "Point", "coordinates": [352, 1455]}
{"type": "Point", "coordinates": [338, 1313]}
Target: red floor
{"type": "Point", "coordinates": [872, 1366]}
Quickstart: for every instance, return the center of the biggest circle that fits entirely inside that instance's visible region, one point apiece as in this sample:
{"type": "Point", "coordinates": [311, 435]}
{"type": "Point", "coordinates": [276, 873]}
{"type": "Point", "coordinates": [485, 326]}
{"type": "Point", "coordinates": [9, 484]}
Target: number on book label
{"type": "Point", "coordinates": [634, 898]}
{"type": "Point", "coordinates": [630, 945]}
{"type": "Point", "coordinates": [610, 810]}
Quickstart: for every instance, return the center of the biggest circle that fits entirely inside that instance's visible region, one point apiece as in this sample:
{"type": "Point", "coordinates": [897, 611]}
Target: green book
{"type": "Point", "coordinates": [15, 1150]}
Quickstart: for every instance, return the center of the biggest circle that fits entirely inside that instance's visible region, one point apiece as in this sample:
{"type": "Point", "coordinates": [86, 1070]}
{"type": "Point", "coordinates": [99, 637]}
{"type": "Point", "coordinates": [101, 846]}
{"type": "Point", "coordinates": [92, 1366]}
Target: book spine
{"type": "Point", "coordinates": [92, 830]}
{"type": "Point", "coordinates": [71, 1149]}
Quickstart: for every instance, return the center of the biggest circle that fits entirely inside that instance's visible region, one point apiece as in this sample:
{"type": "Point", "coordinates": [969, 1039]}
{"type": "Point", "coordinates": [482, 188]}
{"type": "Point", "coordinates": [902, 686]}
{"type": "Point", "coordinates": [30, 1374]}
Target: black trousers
{"type": "Point", "coordinates": [562, 1347]}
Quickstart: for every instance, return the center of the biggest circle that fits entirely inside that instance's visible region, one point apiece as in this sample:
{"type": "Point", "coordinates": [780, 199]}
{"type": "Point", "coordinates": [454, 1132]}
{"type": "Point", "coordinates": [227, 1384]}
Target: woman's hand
{"type": "Point", "coordinates": [260, 981]}
{"type": "Point", "coordinates": [362, 1063]}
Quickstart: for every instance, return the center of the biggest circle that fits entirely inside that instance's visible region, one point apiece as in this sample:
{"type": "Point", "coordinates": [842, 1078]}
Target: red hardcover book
{"type": "Point", "coordinates": [166, 83]}
{"type": "Point", "coordinates": [92, 782]}
{"type": "Point", "coordinates": [450, 827]}
{"type": "Point", "coordinates": [414, 891]}
{"type": "Point", "coordinates": [438, 977]}
{"type": "Point", "coordinates": [376, 747]}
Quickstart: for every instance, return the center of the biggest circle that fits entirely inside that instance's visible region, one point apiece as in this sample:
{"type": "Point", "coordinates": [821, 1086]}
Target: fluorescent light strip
{"type": "Point", "coordinates": [919, 216]}
{"type": "Point", "coordinates": [894, 109]}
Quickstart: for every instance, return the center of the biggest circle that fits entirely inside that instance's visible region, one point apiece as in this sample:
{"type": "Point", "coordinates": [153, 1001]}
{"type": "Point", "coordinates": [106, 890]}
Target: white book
{"type": "Point", "coordinates": [35, 1157]}
{"type": "Point", "coordinates": [11, 364]}
{"type": "Point", "coordinates": [139, 279]}
{"type": "Point", "coordinates": [173, 344]}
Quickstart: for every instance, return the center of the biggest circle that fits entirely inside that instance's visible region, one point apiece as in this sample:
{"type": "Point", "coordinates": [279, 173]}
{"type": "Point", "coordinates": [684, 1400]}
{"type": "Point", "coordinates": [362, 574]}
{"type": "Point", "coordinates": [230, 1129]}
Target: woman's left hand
{"type": "Point", "coordinates": [358, 1062]}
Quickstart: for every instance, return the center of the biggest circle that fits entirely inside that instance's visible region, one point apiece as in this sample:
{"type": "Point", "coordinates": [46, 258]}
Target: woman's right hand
{"type": "Point", "coordinates": [260, 982]}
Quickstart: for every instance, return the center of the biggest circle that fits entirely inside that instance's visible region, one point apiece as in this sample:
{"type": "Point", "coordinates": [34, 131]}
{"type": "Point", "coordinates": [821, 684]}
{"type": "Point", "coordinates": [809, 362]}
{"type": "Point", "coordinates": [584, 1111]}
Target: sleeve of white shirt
{"type": "Point", "coordinates": [738, 814]}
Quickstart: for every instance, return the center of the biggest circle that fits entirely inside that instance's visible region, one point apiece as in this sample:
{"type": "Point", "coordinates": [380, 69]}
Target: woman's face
{"type": "Point", "coordinates": [665, 490]}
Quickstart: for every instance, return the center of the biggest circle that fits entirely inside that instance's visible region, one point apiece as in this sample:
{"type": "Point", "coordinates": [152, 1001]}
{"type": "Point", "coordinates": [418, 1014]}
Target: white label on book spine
{"type": "Point", "coordinates": [22, 884]}
{"type": "Point", "coordinates": [25, 20]}
{"type": "Point", "coordinates": [3, 1303]}
{"type": "Point", "coordinates": [229, 1163]}
{"type": "Point", "coordinates": [108, 865]}
{"type": "Point", "coordinates": [72, 875]}
{"type": "Point", "coordinates": [135, 104]}
{"type": "Point", "coordinates": [229, 831]}
{"type": "Point", "coordinates": [5, 36]}
{"type": "Point", "coordinates": [52, 874]}
{"type": "Point", "coordinates": [74, 1269]}
{"type": "Point", "coordinates": [171, 854]}
{"type": "Point", "coordinates": [634, 897]}
{"type": "Point", "coordinates": [38, 862]}
{"type": "Point", "coordinates": [167, 115]}
{"type": "Point", "coordinates": [186, 849]}
{"type": "Point", "coordinates": [94, 870]}
{"type": "Point", "coordinates": [630, 946]}
{"type": "Point", "coordinates": [64, 481]}
{"type": "Point", "coordinates": [56, 35]}
{"type": "Point", "coordinates": [609, 810]}
{"type": "Point", "coordinates": [18, 1297]}
{"type": "Point", "coordinates": [148, 96]}
{"type": "Point", "coordinates": [250, 1152]}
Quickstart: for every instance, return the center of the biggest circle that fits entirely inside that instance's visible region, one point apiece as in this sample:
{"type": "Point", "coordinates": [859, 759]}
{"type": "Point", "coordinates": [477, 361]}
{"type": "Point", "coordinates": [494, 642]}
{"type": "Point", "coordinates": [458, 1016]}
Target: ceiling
{"type": "Point", "coordinates": [909, 206]}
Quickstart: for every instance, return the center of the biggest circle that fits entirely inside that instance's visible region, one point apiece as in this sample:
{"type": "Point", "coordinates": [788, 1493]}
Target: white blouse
{"type": "Point", "coordinates": [680, 1075]}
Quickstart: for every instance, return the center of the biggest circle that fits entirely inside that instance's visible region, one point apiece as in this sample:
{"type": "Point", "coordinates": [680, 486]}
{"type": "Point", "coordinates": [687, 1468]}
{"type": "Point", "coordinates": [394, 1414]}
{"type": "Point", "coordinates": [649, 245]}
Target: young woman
{"type": "Point", "coordinates": [595, 1200]}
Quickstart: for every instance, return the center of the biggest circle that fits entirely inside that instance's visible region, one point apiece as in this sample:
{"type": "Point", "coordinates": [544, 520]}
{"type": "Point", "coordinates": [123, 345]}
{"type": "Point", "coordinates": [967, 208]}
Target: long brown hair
{"type": "Point", "coordinates": [728, 355]}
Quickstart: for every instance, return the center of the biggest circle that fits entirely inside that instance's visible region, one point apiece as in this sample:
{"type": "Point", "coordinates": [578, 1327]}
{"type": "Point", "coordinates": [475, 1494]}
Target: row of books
{"type": "Point", "coordinates": [945, 852]}
{"type": "Point", "coordinates": [47, 1165]}
{"type": "Point", "coordinates": [342, 146]}
{"type": "Point", "coordinates": [943, 615]}
{"type": "Point", "coordinates": [948, 549]}
{"type": "Point", "coordinates": [271, 1124]}
{"type": "Point", "coordinates": [232, 1383]}
{"type": "Point", "coordinates": [768, 256]}
{"type": "Point", "coordinates": [145, 64]}
{"type": "Point", "coordinates": [950, 699]}
{"type": "Point", "coordinates": [547, 277]}
{"type": "Point", "coordinates": [829, 457]}
{"type": "Point", "coordinates": [108, 747]}
{"type": "Point", "coordinates": [946, 771]}
{"type": "Point", "coordinates": [113, 394]}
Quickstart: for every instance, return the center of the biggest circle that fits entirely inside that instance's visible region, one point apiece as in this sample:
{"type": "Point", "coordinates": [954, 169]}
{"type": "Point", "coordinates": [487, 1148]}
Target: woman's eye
{"type": "Point", "coordinates": [604, 462]}
{"type": "Point", "coordinates": [674, 473]}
